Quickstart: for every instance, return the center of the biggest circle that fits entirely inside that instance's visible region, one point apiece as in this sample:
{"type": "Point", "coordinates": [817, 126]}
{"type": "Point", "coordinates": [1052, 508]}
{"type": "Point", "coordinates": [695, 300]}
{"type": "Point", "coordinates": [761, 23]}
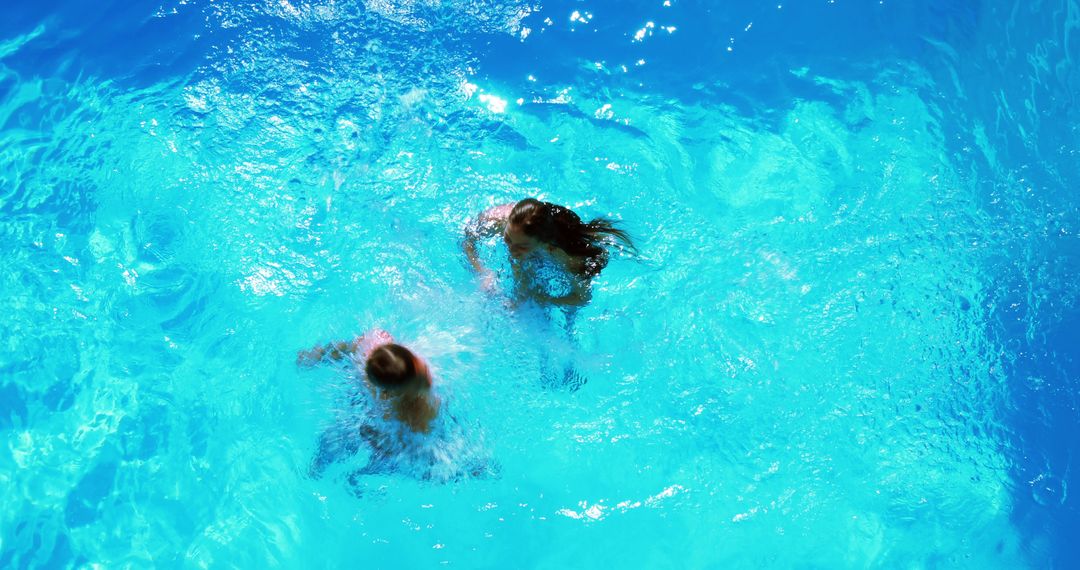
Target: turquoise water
{"type": "Point", "coordinates": [816, 361]}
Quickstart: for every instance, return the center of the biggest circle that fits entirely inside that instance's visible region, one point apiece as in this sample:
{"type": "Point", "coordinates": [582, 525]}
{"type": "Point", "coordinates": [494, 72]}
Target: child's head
{"type": "Point", "coordinates": [394, 368]}
{"type": "Point", "coordinates": [550, 224]}
{"type": "Point", "coordinates": [532, 222]}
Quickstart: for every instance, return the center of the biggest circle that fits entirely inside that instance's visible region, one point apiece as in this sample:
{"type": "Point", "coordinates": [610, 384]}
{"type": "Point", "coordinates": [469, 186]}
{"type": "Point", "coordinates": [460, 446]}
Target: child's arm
{"type": "Point", "coordinates": [335, 351]}
{"type": "Point", "coordinates": [491, 222]}
{"type": "Point", "coordinates": [358, 347]}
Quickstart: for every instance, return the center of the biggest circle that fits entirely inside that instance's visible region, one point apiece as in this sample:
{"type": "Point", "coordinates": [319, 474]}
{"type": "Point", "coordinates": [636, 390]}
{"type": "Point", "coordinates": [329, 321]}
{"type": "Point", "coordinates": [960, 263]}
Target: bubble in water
{"type": "Point", "coordinates": [1047, 489]}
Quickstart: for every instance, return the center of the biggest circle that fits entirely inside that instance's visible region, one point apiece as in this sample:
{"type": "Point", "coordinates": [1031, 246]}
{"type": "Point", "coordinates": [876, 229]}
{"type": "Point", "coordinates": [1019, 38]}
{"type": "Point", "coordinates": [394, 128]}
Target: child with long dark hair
{"type": "Point", "coordinates": [531, 228]}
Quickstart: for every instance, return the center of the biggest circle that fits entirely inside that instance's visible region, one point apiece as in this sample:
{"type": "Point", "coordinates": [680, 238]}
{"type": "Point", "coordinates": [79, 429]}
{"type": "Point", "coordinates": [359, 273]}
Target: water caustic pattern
{"type": "Point", "coordinates": [804, 367]}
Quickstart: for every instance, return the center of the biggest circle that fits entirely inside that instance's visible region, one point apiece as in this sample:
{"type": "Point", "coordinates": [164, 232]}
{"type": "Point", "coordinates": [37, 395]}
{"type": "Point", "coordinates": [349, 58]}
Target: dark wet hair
{"type": "Point", "coordinates": [560, 226]}
{"type": "Point", "coordinates": [391, 366]}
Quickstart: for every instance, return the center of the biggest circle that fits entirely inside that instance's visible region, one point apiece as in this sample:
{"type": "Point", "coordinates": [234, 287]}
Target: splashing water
{"type": "Point", "coordinates": [856, 284]}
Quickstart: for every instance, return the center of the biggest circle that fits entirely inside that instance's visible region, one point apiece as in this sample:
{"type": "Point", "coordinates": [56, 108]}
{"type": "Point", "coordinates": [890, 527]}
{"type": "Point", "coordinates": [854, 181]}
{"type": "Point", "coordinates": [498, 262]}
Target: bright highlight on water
{"type": "Point", "coordinates": [676, 284]}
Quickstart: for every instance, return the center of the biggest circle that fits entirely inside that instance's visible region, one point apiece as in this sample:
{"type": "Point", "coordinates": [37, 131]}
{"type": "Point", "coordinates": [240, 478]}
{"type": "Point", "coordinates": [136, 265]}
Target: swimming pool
{"type": "Point", "coordinates": [849, 339]}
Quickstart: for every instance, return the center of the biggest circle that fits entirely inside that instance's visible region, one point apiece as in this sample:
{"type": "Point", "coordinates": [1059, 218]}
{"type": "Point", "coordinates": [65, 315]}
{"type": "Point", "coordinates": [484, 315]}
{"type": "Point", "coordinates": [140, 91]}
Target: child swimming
{"type": "Point", "coordinates": [396, 414]}
{"type": "Point", "coordinates": [540, 235]}
{"type": "Point", "coordinates": [554, 256]}
{"type": "Point", "coordinates": [394, 375]}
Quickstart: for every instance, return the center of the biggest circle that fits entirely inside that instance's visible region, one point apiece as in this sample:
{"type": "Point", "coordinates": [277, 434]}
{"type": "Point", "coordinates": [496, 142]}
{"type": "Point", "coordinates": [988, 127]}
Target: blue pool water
{"type": "Point", "coordinates": [849, 340]}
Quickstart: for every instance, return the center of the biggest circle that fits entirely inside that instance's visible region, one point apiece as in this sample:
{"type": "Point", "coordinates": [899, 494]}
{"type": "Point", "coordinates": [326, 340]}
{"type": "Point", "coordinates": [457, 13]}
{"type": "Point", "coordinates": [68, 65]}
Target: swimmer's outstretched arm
{"type": "Point", "coordinates": [340, 349]}
{"type": "Point", "coordinates": [335, 351]}
{"type": "Point", "coordinates": [489, 223]}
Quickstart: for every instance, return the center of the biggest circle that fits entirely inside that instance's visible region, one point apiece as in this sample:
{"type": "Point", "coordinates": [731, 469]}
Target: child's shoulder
{"type": "Point", "coordinates": [423, 415]}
